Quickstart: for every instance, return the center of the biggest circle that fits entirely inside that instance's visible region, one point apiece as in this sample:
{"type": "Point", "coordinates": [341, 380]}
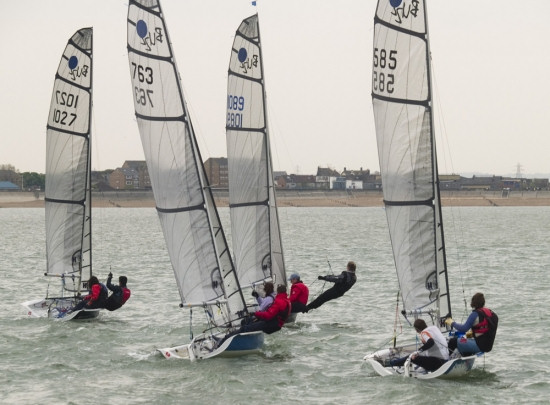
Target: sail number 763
{"type": "Point", "coordinates": [382, 60]}
{"type": "Point", "coordinates": [143, 75]}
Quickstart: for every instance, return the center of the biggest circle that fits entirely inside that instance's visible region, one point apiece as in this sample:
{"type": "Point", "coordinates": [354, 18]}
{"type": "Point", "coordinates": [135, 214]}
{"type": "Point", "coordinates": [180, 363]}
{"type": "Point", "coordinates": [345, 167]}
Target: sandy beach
{"type": "Point", "coordinates": [297, 198]}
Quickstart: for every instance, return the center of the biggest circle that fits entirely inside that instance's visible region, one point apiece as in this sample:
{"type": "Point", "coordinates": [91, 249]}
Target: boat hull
{"type": "Point", "coordinates": [55, 308]}
{"type": "Point", "coordinates": [204, 347]}
{"type": "Point", "coordinates": [380, 362]}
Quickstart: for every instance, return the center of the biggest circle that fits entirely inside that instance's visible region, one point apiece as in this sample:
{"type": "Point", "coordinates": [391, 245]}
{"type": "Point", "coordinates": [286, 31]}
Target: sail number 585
{"type": "Point", "coordinates": [383, 59]}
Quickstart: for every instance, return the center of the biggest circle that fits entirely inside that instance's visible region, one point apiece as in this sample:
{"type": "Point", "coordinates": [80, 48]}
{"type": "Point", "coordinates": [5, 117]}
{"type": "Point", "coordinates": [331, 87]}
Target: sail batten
{"type": "Point", "coordinates": [402, 94]}
{"type": "Point", "coordinates": [257, 244]}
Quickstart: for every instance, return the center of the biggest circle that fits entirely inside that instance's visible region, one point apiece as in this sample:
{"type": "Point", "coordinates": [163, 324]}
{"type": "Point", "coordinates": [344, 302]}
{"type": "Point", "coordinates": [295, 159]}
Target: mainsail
{"type": "Point", "coordinates": [67, 200]}
{"type": "Point", "coordinates": [254, 220]}
{"type": "Point", "coordinates": [192, 230]}
{"type": "Point", "coordinates": [402, 101]}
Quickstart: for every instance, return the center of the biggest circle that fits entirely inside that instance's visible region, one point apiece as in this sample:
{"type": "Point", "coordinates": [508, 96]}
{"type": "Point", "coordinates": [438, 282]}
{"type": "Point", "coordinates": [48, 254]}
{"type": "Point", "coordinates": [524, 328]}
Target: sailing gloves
{"type": "Point", "coordinates": [321, 278]}
{"type": "Point", "coordinates": [255, 294]}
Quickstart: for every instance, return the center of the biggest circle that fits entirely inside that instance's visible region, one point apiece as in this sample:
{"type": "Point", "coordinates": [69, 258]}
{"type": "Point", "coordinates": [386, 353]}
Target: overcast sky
{"type": "Point", "coordinates": [491, 66]}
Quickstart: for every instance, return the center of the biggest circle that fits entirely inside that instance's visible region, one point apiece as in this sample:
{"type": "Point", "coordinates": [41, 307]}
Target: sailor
{"type": "Point", "coordinates": [96, 298]}
{"type": "Point", "coordinates": [120, 294]}
{"type": "Point", "coordinates": [342, 283]}
{"type": "Point", "coordinates": [269, 321]}
{"type": "Point", "coordinates": [482, 322]}
{"type": "Point", "coordinates": [299, 293]}
{"type": "Point", "coordinates": [434, 351]}
{"type": "Point", "coordinates": [266, 301]}
{"type": "Point", "coordinates": [274, 318]}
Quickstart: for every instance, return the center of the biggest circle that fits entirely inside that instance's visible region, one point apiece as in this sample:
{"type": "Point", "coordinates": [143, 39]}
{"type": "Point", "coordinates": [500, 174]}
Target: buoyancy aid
{"type": "Point", "coordinates": [283, 314]}
{"type": "Point", "coordinates": [483, 325]}
{"type": "Point", "coordinates": [98, 293]}
{"type": "Point", "coordinates": [484, 333]}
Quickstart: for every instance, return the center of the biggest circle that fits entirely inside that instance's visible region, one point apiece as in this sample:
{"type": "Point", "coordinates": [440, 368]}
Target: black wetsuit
{"type": "Point", "coordinates": [342, 283]}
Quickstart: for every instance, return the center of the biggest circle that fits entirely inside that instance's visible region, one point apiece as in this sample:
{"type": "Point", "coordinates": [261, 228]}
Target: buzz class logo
{"type": "Point", "coordinates": [76, 71]}
{"type": "Point", "coordinates": [247, 63]}
{"type": "Point", "coordinates": [403, 9]}
{"type": "Point", "coordinates": [148, 38]}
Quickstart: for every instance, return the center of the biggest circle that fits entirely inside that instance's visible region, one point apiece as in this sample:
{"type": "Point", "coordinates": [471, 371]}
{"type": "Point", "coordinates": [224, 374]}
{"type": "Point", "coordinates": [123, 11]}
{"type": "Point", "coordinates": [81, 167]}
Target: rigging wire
{"type": "Point", "coordinates": [324, 283]}
{"type": "Point", "coordinates": [455, 222]}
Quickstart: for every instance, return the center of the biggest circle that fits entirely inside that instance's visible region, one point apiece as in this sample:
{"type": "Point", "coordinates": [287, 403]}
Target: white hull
{"type": "Point", "coordinates": [204, 347]}
{"type": "Point", "coordinates": [455, 367]}
{"type": "Point", "coordinates": [55, 308]}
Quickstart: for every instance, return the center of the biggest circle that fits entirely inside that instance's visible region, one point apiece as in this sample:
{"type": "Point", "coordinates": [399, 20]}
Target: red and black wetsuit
{"type": "Point", "coordinates": [119, 296]}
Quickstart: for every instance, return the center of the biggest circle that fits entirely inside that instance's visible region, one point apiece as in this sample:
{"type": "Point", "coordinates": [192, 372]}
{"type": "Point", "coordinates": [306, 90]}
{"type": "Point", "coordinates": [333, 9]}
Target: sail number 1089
{"type": "Point", "coordinates": [382, 60]}
{"type": "Point", "coordinates": [235, 105]}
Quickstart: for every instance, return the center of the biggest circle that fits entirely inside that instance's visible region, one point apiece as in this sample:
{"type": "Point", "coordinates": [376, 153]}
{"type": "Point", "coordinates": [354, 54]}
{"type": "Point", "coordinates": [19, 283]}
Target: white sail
{"type": "Point", "coordinates": [192, 230]}
{"type": "Point", "coordinates": [402, 100]}
{"type": "Point", "coordinates": [67, 199]}
{"type": "Point", "coordinates": [403, 114]}
{"type": "Point", "coordinates": [254, 220]}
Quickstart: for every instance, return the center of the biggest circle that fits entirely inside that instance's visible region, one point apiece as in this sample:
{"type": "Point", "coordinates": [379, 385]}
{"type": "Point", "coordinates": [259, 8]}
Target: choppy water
{"type": "Point", "coordinates": [503, 252]}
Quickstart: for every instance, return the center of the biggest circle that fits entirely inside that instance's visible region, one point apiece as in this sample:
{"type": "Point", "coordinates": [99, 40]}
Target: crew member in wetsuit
{"type": "Point", "coordinates": [269, 321]}
{"type": "Point", "coordinates": [342, 283]}
{"type": "Point", "coordinates": [299, 293]}
{"type": "Point", "coordinates": [480, 339]}
{"type": "Point", "coordinates": [434, 351]}
{"type": "Point", "coordinates": [96, 299]}
{"type": "Point", "coordinates": [120, 294]}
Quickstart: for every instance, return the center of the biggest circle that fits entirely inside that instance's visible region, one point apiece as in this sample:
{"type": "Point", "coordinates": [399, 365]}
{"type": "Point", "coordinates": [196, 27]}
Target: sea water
{"type": "Point", "coordinates": [502, 252]}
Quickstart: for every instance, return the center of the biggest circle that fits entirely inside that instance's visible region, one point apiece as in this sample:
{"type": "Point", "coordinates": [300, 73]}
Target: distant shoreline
{"type": "Point", "coordinates": [298, 198]}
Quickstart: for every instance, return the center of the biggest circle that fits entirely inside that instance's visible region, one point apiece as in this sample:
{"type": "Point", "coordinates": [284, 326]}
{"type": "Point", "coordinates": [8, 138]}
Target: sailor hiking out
{"type": "Point", "coordinates": [342, 283]}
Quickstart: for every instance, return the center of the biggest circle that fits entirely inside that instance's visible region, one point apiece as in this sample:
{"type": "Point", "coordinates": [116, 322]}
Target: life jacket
{"type": "Point", "coordinates": [283, 314]}
{"type": "Point", "coordinates": [483, 324]}
{"type": "Point", "coordinates": [486, 329]}
{"type": "Point", "coordinates": [125, 294]}
{"type": "Point", "coordinates": [101, 296]}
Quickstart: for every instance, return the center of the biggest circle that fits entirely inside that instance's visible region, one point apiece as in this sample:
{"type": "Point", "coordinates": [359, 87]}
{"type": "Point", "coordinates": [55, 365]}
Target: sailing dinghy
{"type": "Point", "coordinates": [196, 244]}
{"type": "Point", "coordinates": [255, 232]}
{"type": "Point", "coordinates": [402, 103]}
{"type": "Point", "coordinates": [68, 197]}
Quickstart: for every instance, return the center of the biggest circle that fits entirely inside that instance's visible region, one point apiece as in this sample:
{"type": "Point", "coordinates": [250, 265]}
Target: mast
{"type": "Point", "coordinates": [278, 271]}
{"type": "Point", "coordinates": [442, 268]}
{"type": "Point", "coordinates": [88, 214]}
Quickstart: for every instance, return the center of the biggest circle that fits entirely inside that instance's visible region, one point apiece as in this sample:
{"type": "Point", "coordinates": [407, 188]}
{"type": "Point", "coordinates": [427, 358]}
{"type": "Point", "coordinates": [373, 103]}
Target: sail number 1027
{"type": "Point", "coordinates": [382, 60]}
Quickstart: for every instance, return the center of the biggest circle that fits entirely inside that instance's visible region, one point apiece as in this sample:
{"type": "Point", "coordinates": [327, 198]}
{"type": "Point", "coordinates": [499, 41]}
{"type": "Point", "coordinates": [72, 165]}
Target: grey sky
{"type": "Point", "coordinates": [491, 62]}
